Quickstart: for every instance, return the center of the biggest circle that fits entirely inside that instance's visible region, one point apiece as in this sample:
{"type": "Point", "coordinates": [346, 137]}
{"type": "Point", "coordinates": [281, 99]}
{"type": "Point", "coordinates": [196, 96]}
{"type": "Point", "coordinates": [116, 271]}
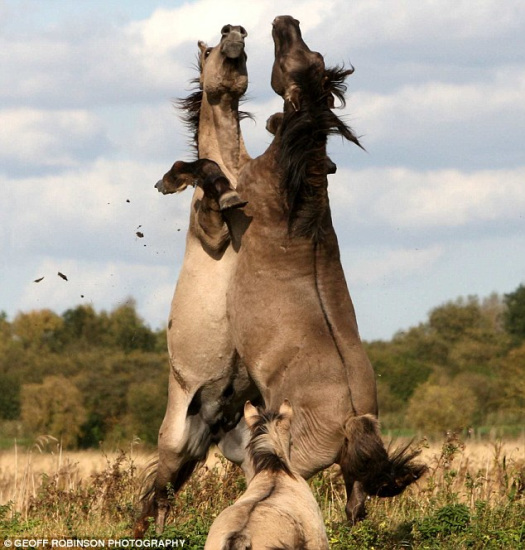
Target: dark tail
{"type": "Point", "coordinates": [381, 474]}
{"type": "Point", "coordinates": [147, 500]}
{"type": "Point", "coordinates": [156, 502]}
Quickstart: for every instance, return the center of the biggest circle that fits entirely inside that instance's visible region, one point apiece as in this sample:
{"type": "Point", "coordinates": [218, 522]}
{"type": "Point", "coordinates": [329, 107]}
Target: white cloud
{"type": "Point", "coordinates": [416, 200]}
{"type": "Point", "coordinates": [429, 110]}
{"type": "Point", "coordinates": [426, 23]}
{"type": "Point", "coordinates": [104, 285]}
{"type": "Point", "coordinates": [85, 213]}
{"type": "Point", "coordinates": [49, 138]}
{"type": "Point", "coordinates": [385, 266]}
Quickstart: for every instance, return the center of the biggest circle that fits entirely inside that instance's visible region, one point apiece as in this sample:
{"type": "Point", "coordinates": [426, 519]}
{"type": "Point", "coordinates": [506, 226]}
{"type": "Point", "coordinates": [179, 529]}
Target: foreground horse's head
{"type": "Point", "coordinates": [292, 57]}
{"type": "Point", "coordinates": [309, 90]}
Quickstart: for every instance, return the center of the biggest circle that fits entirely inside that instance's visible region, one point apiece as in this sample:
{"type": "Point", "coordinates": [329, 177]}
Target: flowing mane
{"type": "Point", "coordinates": [303, 158]}
{"type": "Point", "coordinates": [190, 108]}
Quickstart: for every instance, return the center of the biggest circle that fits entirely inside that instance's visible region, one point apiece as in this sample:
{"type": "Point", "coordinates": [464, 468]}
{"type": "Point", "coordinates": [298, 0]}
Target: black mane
{"type": "Point", "coordinates": [303, 158]}
{"type": "Point", "coordinates": [191, 108]}
{"type": "Point", "coordinates": [265, 459]}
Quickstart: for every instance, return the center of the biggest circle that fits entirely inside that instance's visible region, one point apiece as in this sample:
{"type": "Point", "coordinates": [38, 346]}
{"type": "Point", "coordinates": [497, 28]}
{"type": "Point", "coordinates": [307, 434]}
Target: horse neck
{"type": "Point", "coordinates": [220, 137]}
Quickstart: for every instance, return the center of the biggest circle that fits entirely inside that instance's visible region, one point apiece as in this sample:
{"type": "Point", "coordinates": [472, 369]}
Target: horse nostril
{"type": "Point", "coordinates": [243, 32]}
{"type": "Point", "coordinates": [226, 30]}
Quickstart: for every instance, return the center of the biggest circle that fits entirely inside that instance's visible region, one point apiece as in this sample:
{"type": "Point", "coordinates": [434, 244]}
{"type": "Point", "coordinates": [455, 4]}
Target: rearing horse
{"type": "Point", "coordinates": [292, 318]}
{"type": "Point", "coordinates": [207, 384]}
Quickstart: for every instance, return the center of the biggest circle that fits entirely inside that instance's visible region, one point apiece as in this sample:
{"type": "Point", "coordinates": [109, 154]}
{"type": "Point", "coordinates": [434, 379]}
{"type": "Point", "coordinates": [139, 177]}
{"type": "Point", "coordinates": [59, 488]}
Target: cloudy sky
{"type": "Point", "coordinates": [432, 211]}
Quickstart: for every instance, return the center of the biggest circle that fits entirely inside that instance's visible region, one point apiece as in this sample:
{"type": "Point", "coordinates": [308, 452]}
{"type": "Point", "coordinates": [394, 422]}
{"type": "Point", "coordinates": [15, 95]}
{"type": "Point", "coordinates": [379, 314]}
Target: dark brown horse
{"type": "Point", "coordinates": [292, 318]}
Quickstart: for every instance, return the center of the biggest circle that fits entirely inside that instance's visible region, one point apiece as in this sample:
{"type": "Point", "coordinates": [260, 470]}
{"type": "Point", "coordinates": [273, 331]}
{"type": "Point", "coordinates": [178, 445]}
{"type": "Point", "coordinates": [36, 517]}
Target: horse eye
{"type": "Point", "coordinates": [207, 52]}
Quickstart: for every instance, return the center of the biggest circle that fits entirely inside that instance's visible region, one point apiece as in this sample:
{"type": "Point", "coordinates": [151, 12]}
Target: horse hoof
{"type": "Point", "coordinates": [231, 200]}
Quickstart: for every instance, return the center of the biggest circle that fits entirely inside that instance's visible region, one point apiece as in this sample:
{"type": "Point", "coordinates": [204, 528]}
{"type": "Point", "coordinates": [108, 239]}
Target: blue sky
{"type": "Point", "coordinates": [433, 210]}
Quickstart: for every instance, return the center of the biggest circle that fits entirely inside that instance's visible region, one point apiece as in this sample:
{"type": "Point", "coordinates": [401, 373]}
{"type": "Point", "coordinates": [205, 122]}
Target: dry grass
{"type": "Point", "coordinates": [474, 468]}
{"type": "Point", "coordinates": [24, 471]}
{"type": "Point", "coordinates": [48, 492]}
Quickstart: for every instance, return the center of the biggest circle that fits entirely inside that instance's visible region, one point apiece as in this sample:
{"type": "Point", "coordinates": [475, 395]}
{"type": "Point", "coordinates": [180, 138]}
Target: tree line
{"type": "Point", "coordinates": [87, 377]}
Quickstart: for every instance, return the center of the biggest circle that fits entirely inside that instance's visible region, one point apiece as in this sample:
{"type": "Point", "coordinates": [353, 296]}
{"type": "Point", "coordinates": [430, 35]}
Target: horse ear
{"type": "Point", "coordinates": [251, 414]}
{"type": "Point", "coordinates": [274, 123]}
{"type": "Point", "coordinates": [178, 167]}
{"type": "Point", "coordinates": [202, 46]}
{"type": "Point", "coordinates": [286, 411]}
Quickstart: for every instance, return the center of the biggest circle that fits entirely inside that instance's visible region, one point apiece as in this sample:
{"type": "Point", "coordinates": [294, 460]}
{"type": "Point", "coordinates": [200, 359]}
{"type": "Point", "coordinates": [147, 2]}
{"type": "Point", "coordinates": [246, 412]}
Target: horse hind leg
{"type": "Point", "coordinates": [184, 440]}
{"type": "Point", "coordinates": [165, 491]}
{"type": "Point", "coordinates": [156, 500]}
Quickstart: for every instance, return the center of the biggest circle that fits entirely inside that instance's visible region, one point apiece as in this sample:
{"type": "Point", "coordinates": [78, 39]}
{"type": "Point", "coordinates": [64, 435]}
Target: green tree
{"type": "Point", "coordinates": [147, 404]}
{"type": "Point", "coordinates": [455, 320]}
{"type": "Point", "coordinates": [514, 317]}
{"type": "Point", "coordinates": [9, 396]}
{"type": "Point", "coordinates": [37, 330]}
{"type": "Point", "coordinates": [55, 408]}
{"type": "Point", "coordinates": [83, 327]}
{"type": "Point", "coordinates": [512, 381]}
{"type": "Point", "coordinates": [106, 388]}
{"type": "Point", "coordinates": [128, 331]}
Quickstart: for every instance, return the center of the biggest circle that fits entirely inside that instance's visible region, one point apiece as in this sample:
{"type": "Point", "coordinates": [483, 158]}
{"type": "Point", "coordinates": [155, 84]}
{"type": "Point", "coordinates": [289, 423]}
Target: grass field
{"type": "Point", "coordinates": [472, 497]}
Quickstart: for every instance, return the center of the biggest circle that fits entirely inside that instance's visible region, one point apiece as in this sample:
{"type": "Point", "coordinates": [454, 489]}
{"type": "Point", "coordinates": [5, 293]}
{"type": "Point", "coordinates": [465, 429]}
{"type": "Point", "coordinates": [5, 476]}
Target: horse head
{"type": "Point", "coordinates": [292, 58]}
{"type": "Point", "coordinates": [223, 67]}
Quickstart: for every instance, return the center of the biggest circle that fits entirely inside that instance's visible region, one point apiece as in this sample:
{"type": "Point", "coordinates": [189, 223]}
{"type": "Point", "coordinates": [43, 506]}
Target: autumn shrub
{"type": "Point", "coordinates": [437, 407]}
{"type": "Point", "coordinates": [53, 407]}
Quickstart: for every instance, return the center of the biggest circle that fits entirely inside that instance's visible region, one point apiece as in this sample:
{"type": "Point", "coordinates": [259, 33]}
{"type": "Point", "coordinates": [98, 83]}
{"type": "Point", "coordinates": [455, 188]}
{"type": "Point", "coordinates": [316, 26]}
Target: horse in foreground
{"type": "Point", "coordinates": [278, 510]}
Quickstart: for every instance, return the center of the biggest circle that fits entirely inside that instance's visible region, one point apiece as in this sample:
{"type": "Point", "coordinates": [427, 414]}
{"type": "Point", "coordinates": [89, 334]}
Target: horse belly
{"type": "Point", "coordinates": [199, 340]}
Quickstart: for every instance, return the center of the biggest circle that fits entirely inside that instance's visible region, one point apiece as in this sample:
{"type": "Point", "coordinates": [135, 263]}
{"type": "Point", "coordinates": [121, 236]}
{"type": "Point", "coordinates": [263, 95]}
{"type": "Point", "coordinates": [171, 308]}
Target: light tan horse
{"type": "Point", "coordinates": [207, 385]}
{"type": "Point", "coordinates": [278, 510]}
